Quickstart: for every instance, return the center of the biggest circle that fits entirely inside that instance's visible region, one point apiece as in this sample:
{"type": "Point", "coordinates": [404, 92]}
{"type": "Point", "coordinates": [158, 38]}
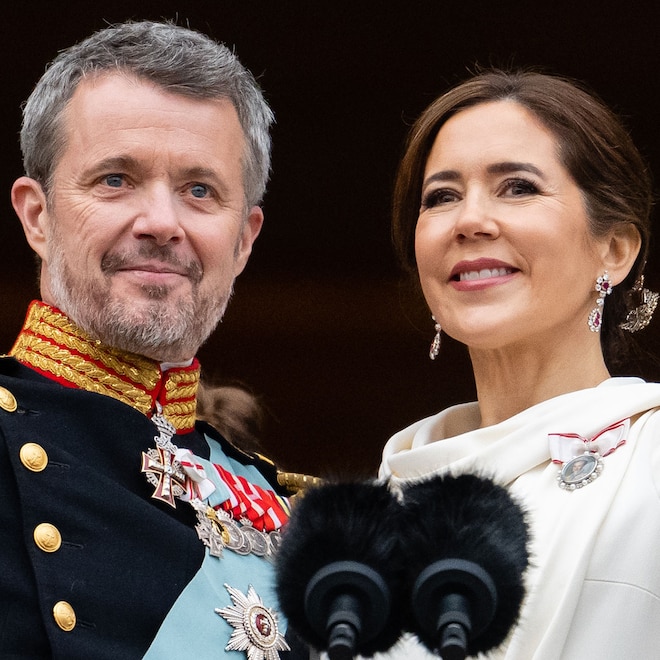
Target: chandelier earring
{"type": "Point", "coordinates": [642, 305]}
{"type": "Point", "coordinates": [604, 288]}
{"type": "Point", "coordinates": [435, 344]}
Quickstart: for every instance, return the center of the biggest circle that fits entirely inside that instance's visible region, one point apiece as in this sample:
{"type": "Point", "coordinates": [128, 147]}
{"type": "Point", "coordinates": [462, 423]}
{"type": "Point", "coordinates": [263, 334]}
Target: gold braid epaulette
{"type": "Point", "coordinates": [297, 483]}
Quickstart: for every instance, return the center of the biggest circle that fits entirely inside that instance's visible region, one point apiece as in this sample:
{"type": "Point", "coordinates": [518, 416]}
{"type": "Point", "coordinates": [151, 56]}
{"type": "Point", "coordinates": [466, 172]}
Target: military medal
{"type": "Point", "coordinates": [247, 523]}
{"type": "Point", "coordinates": [162, 469]}
{"type": "Point", "coordinates": [165, 473]}
{"type": "Point", "coordinates": [255, 626]}
{"type": "Point", "coordinates": [218, 530]}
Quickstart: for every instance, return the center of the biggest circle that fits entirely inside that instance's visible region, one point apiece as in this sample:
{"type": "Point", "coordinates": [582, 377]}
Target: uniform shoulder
{"type": "Point", "coordinates": [283, 482]}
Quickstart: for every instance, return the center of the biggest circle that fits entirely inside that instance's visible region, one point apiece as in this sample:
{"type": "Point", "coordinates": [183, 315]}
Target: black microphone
{"type": "Point", "coordinates": [339, 569]}
{"type": "Point", "coordinates": [466, 545]}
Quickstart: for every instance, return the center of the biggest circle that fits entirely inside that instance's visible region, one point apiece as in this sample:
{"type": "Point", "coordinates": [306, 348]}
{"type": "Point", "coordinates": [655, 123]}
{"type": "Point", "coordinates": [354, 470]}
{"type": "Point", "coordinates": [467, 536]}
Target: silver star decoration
{"type": "Point", "coordinates": [255, 625]}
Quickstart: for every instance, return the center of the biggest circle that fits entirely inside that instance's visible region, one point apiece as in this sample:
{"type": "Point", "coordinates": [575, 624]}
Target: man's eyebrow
{"type": "Point", "coordinates": [205, 173]}
{"type": "Point", "coordinates": [114, 163]}
{"type": "Point", "coordinates": [123, 163]}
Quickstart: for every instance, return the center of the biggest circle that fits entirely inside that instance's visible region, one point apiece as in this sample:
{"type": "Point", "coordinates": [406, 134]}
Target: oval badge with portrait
{"type": "Point", "coordinates": [579, 471]}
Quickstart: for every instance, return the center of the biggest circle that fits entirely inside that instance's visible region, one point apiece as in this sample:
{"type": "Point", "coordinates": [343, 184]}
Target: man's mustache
{"type": "Point", "coordinates": [155, 254]}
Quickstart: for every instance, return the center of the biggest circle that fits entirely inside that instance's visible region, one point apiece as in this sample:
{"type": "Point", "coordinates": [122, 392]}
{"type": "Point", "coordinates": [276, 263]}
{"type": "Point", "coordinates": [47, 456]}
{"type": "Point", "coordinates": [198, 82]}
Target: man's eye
{"type": "Point", "coordinates": [114, 180]}
{"type": "Point", "coordinates": [199, 190]}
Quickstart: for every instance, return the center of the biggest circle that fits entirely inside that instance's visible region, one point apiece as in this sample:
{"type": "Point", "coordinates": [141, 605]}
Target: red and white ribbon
{"type": "Point", "coordinates": [565, 446]}
{"type": "Point", "coordinates": [263, 508]}
{"type": "Point", "coordinates": [198, 485]}
{"type": "Point", "coordinates": [266, 510]}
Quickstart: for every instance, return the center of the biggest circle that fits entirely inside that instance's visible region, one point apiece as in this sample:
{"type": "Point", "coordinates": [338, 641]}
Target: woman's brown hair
{"type": "Point", "coordinates": [593, 146]}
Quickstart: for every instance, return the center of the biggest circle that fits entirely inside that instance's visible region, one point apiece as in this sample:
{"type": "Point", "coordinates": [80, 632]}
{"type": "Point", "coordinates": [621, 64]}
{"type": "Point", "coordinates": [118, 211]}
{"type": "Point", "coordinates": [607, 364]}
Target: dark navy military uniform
{"type": "Point", "coordinates": [91, 564]}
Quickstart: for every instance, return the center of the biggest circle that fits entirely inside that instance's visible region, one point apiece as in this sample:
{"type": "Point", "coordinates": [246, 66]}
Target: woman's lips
{"type": "Point", "coordinates": [481, 273]}
{"type": "Point", "coordinates": [484, 273]}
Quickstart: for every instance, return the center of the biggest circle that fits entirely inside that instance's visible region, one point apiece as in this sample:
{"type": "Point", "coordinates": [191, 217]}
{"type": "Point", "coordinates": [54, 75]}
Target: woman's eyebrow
{"type": "Point", "coordinates": [508, 167]}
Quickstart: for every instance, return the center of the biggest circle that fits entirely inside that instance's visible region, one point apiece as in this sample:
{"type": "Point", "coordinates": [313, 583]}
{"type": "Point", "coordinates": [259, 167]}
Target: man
{"type": "Point", "coordinates": [129, 529]}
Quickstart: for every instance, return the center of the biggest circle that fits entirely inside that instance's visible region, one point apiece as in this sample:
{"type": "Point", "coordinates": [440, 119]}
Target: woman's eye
{"type": "Point", "coordinates": [518, 187]}
{"type": "Point", "coordinates": [114, 180]}
{"type": "Point", "coordinates": [199, 190]}
{"type": "Point", "coordinates": [438, 197]}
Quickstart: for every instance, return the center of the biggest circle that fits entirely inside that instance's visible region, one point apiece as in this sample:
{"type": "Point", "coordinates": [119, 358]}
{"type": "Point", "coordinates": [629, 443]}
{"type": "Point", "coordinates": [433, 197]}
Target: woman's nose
{"type": "Point", "coordinates": [476, 218]}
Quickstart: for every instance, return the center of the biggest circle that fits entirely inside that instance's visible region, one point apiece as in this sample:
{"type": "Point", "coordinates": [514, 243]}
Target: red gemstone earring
{"type": "Point", "coordinates": [604, 288]}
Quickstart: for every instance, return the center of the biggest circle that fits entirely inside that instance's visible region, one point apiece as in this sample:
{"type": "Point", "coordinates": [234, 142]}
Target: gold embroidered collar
{"type": "Point", "coordinates": [52, 345]}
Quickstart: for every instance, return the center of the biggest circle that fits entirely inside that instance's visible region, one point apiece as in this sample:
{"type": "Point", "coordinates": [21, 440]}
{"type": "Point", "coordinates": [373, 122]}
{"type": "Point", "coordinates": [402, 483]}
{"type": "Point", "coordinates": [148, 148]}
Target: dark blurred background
{"type": "Point", "coordinates": [323, 328]}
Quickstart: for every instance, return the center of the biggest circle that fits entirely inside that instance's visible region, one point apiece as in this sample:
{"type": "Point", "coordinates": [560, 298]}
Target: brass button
{"type": "Point", "coordinates": [64, 616]}
{"type": "Point", "coordinates": [33, 456]}
{"type": "Point", "coordinates": [7, 400]}
{"type": "Point", "coordinates": [47, 537]}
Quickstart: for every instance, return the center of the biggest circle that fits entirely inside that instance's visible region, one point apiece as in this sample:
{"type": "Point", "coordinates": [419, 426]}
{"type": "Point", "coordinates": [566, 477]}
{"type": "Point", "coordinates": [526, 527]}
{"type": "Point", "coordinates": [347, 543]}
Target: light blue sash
{"type": "Point", "coordinates": [192, 629]}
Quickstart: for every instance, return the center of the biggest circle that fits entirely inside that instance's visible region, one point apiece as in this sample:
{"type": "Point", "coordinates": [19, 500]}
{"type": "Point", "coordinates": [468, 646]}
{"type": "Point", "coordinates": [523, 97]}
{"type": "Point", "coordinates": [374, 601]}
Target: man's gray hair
{"type": "Point", "coordinates": [173, 57]}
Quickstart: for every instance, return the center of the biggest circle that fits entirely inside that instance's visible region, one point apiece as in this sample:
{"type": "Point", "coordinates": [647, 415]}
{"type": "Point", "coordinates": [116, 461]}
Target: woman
{"type": "Point", "coordinates": [523, 207]}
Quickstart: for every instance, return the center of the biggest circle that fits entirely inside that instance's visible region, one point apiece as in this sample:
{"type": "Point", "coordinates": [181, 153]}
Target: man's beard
{"type": "Point", "coordinates": [163, 328]}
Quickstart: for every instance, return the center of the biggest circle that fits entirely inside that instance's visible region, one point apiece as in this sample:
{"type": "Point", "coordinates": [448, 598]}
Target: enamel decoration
{"type": "Point", "coordinates": [256, 631]}
{"type": "Point", "coordinates": [165, 473]}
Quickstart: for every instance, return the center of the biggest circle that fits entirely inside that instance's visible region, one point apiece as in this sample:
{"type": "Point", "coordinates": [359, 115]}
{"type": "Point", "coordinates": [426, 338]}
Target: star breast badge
{"type": "Point", "coordinates": [256, 631]}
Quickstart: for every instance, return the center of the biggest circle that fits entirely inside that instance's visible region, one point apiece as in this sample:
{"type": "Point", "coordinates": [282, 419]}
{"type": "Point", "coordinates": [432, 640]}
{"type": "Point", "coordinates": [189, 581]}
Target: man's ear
{"type": "Point", "coordinates": [249, 232]}
{"type": "Point", "coordinates": [620, 251]}
{"type": "Point", "coordinates": [29, 201]}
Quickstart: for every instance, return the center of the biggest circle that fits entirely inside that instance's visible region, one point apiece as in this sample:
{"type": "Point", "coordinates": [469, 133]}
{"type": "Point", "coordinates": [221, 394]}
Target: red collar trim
{"type": "Point", "coordinates": [52, 345]}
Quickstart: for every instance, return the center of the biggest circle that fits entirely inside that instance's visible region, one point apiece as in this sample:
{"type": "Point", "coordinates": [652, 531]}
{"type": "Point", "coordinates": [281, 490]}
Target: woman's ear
{"type": "Point", "coordinates": [620, 251]}
{"type": "Point", "coordinates": [29, 201]}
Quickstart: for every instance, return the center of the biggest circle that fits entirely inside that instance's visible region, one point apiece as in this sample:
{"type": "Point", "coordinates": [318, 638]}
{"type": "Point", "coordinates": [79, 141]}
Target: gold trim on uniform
{"type": "Point", "coordinates": [52, 344]}
{"type": "Point", "coordinates": [75, 369]}
{"type": "Point", "coordinates": [181, 411]}
{"type": "Point", "coordinates": [295, 482]}
{"type": "Point", "coordinates": [55, 326]}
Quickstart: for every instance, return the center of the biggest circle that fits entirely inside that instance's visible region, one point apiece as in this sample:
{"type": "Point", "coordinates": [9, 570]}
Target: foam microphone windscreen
{"type": "Point", "coordinates": [465, 539]}
{"type": "Point", "coordinates": [339, 570]}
